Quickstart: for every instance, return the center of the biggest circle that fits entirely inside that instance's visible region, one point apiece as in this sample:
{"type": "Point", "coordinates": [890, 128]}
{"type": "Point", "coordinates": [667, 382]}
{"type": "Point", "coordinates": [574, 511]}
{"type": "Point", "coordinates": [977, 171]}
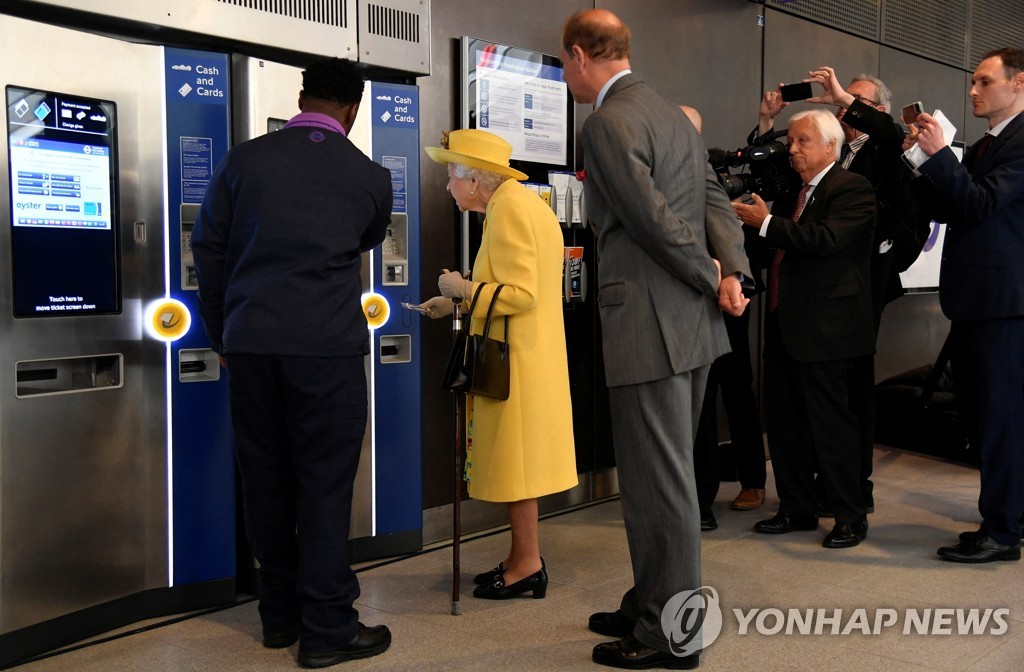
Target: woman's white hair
{"type": "Point", "coordinates": [488, 181]}
{"type": "Point", "coordinates": [828, 127]}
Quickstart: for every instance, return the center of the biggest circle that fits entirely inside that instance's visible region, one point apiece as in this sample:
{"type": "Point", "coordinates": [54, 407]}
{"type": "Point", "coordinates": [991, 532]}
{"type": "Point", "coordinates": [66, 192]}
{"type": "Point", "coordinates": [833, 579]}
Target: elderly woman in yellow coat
{"type": "Point", "coordinates": [521, 448]}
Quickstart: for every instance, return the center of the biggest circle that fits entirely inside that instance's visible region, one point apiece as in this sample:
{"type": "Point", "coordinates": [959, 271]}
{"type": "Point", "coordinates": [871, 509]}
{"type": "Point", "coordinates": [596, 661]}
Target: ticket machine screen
{"type": "Point", "coordinates": [64, 226]}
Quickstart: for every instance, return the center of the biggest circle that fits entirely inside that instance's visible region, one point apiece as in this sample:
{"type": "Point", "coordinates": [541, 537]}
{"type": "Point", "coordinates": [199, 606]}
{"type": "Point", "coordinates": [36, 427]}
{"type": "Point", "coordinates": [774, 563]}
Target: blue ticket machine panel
{"type": "Point", "coordinates": [203, 475]}
{"type": "Point", "coordinates": [396, 344]}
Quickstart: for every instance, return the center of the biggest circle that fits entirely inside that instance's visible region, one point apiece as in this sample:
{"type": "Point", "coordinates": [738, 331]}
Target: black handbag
{"type": "Point", "coordinates": [478, 364]}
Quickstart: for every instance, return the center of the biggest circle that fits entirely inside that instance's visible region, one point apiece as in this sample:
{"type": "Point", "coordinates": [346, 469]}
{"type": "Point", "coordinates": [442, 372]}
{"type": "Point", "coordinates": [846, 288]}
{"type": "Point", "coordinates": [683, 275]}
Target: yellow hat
{"type": "Point", "coordinates": [476, 149]}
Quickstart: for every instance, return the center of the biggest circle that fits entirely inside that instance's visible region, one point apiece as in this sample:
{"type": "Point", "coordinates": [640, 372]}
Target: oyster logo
{"type": "Point", "coordinates": [692, 620]}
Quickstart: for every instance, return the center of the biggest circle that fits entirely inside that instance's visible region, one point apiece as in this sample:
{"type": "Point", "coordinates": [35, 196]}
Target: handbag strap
{"type": "Point", "coordinates": [490, 310]}
{"type": "Point", "coordinates": [472, 304]}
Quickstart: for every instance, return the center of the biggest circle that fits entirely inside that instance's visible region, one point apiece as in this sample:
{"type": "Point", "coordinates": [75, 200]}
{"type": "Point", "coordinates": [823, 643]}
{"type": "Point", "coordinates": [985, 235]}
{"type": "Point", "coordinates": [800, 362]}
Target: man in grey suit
{"type": "Point", "coordinates": [656, 207]}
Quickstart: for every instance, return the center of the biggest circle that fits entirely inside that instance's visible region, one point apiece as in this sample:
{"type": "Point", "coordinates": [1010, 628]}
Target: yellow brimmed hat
{"type": "Point", "coordinates": [476, 149]}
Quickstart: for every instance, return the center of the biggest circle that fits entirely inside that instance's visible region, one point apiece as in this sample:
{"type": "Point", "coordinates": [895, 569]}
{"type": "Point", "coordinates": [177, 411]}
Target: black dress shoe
{"type": "Point", "coordinates": [611, 624]}
{"type": "Point", "coordinates": [536, 582]}
{"type": "Point", "coordinates": [787, 522]}
{"type": "Point", "coordinates": [630, 653]}
{"type": "Point", "coordinates": [977, 536]}
{"type": "Point", "coordinates": [484, 578]}
{"type": "Point", "coordinates": [280, 640]}
{"type": "Point", "coordinates": [708, 522]}
{"type": "Point", "coordinates": [845, 535]}
{"type": "Point", "coordinates": [976, 551]}
{"type": "Point", "coordinates": [368, 642]}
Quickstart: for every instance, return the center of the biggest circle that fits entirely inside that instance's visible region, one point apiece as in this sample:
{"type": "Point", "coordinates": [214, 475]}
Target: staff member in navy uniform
{"type": "Point", "coordinates": [278, 248]}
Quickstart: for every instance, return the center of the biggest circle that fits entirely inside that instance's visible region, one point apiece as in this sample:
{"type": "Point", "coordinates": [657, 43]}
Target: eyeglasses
{"type": "Point", "coordinates": [866, 101]}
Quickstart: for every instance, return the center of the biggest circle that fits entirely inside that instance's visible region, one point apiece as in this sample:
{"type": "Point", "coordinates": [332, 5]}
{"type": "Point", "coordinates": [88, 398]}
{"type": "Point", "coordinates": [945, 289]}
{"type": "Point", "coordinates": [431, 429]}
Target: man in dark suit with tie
{"type": "Point", "coordinates": [657, 209]}
{"type": "Point", "coordinates": [873, 143]}
{"type": "Point", "coordinates": [981, 289]}
{"type": "Point", "coordinates": [817, 326]}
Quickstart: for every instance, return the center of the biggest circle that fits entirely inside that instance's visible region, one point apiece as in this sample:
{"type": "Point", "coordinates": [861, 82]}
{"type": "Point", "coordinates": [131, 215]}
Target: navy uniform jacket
{"type": "Point", "coordinates": [278, 244]}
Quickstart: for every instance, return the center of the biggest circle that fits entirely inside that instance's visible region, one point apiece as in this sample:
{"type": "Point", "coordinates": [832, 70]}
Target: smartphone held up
{"type": "Point", "coordinates": [792, 92]}
{"type": "Point", "coordinates": [909, 113]}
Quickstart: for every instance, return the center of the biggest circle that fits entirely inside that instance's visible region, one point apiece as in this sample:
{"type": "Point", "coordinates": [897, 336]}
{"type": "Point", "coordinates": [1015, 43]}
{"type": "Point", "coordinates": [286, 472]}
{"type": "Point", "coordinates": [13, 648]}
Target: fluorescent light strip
{"type": "Point", "coordinates": [367, 107]}
{"type": "Point", "coordinates": [373, 419]}
{"type": "Point", "coordinates": [167, 345]}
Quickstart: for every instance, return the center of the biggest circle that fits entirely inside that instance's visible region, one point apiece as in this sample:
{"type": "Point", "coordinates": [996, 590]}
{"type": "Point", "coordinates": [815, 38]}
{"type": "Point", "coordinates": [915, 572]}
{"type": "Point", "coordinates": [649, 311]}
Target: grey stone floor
{"type": "Point", "coordinates": [921, 503]}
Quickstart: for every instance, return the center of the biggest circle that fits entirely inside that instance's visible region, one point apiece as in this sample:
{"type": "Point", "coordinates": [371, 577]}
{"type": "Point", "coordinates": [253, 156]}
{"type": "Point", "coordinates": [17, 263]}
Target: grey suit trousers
{"type": "Point", "coordinates": [653, 427]}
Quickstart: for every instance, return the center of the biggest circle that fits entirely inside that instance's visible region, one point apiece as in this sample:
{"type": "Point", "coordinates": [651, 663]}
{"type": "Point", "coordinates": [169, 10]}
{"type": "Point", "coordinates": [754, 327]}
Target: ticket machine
{"type": "Point", "coordinates": [387, 502]}
{"type": "Point", "coordinates": [116, 475]}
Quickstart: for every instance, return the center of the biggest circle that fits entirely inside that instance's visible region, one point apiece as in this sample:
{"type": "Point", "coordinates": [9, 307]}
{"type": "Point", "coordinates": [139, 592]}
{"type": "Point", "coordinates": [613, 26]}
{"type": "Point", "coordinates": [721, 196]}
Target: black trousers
{"type": "Point", "coordinates": [813, 426]}
{"type": "Point", "coordinates": [299, 424]}
{"type": "Point", "coordinates": [733, 374]}
{"type": "Point", "coordinates": [988, 375]}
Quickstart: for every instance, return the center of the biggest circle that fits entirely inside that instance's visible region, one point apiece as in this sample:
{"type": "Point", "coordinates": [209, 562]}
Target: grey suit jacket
{"type": "Point", "coordinates": [655, 204]}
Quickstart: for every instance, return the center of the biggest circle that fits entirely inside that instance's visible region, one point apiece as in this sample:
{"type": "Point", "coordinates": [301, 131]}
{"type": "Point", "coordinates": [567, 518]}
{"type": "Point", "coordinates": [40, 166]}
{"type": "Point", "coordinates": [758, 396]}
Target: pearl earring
{"type": "Point", "coordinates": [473, 191]}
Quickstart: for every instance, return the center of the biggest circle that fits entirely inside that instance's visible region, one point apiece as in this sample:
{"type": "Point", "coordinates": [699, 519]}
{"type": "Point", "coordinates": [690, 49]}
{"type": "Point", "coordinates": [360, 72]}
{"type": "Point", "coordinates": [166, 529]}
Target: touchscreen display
{"type": "Point", "coordinates": [64, 228]}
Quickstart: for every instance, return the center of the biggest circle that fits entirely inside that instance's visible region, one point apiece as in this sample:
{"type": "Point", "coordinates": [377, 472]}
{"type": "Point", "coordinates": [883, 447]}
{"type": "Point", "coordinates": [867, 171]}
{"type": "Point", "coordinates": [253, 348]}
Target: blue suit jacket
{"type": "Point", "coordinates": [982, 273]}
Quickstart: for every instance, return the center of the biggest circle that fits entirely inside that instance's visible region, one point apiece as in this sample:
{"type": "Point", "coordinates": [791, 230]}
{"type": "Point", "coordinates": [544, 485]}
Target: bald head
{"type": "Point", "coordinates": [601, 35]}
{"type": "Point", "coordinates": [693, 115]}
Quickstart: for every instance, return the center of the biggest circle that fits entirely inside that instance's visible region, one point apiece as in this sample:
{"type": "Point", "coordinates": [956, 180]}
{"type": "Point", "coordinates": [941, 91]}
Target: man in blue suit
{"type": "Point", "coordinates": [981, 289]}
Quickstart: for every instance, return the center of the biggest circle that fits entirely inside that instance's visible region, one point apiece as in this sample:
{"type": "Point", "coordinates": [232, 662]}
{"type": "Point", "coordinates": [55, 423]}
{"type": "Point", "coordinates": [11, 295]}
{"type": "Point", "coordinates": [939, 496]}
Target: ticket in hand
{"type": "Point", "coordinates": [414, 306]}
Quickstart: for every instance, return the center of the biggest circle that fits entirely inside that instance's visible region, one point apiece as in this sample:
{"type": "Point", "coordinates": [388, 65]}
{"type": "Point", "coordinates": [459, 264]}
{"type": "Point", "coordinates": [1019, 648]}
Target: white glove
{"type": "Point", "coordinates": [453, 285]}
{"type": "Point", "coordinates": [437, 307]}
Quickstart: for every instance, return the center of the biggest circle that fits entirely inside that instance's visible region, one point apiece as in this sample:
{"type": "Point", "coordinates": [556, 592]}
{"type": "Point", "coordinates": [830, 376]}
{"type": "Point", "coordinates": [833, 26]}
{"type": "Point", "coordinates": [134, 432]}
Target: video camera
{"type": "Point", "coordinates": [770, 176]}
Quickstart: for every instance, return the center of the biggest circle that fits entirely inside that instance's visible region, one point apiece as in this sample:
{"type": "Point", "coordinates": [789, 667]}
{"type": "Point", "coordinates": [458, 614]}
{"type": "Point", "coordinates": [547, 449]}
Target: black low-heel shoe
{"type": "Point", "coordinates": [536, 582]}
{"type": "Point", "coordinates": [489, 577]}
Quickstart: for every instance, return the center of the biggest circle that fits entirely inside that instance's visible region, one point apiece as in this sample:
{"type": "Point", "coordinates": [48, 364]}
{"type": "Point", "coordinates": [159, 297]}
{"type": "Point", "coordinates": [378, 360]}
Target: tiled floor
{"type": "Point", "coordinates": [921, 503]}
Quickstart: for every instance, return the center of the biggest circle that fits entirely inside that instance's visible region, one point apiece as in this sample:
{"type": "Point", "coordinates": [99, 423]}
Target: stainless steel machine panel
{"type": "Point", "coordinates": [83, 461]}
{"type": "Point", "coordinates": [324, 27]}
{"type": "Point", "coordinates": [395, 34]}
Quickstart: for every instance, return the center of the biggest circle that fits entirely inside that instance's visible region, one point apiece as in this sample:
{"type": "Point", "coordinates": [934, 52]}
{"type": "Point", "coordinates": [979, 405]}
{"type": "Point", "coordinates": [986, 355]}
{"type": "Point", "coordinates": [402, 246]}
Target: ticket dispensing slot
{"type": "Point", "coordinates": [189, 212]}
{"type": "Point", "coordinates": [198, 365]}
{"type": "Point", "coordinates": [395, 252]}
{"type": "Point", "coordinates": [395, 349]}
{"type": "Point", "coordinates": [68, 374]}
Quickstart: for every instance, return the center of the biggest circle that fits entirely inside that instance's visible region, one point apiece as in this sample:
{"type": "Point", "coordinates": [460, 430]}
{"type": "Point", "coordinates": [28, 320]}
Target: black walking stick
{"type": "Point", "coordinates": [460, 427]}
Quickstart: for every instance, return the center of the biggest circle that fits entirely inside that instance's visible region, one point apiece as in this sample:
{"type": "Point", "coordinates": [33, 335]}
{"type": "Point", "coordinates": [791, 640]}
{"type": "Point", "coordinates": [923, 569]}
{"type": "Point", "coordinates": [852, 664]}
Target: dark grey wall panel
{"type": "Point", "coordinates": [859, 17]}
{"type": "Point", "coordinates": [793, 47]}
{"type": "Point", "coordinates": [913, 78]}
{"type": "Point", "coordinates": [702, 53]}
{"type": "Point", "coordinates": [994, 24]}
{"type": "Point", "coordinates": [936, 29]}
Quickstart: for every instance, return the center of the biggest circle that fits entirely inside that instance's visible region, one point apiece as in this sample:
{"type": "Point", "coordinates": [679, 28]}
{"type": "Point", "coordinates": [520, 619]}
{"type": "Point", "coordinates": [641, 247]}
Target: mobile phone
{"type": "Point", "coordinates": [800, 91]}
{"type": "Point", "coordinates": [909, 113]}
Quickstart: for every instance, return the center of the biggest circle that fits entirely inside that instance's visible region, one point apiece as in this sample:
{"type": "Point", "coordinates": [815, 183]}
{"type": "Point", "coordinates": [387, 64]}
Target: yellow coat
{"type": "Point", "coordinates": [523, 447]}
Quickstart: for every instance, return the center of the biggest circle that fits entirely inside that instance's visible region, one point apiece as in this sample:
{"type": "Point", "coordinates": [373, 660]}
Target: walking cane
{"type": "Point", "coordinates": [460, 428]}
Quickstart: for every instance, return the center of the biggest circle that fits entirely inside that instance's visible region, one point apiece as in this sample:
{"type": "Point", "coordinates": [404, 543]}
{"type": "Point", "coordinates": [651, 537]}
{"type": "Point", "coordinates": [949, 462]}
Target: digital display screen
{"type": "Point", "coordinates": [64, 223]}
{"type": "Point", "coordinates": [521, 96]}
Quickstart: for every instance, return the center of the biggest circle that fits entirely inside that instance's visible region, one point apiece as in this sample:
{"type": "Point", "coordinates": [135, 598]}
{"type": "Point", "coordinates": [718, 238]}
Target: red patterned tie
{"type": "Point", "coordinates": [773, 271]}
